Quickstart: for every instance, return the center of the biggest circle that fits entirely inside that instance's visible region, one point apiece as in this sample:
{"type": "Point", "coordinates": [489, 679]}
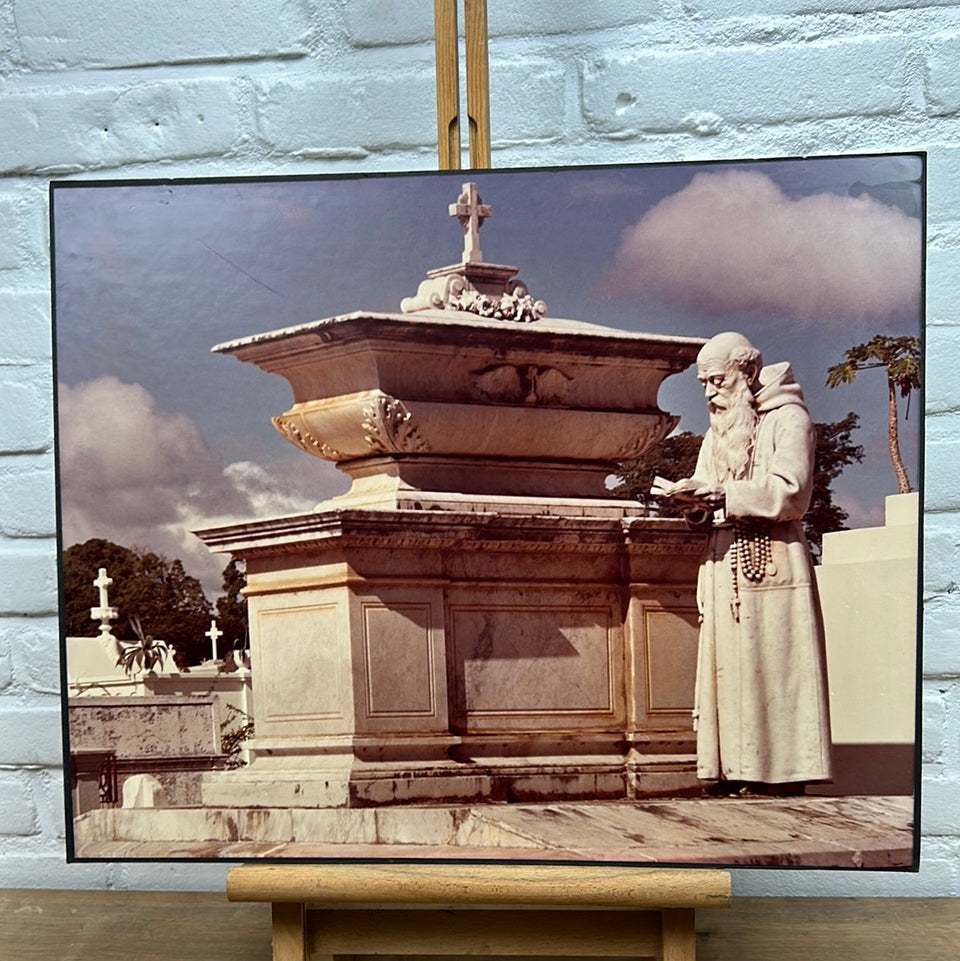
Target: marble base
{"type": "Point", "coordinates": [463, 651]}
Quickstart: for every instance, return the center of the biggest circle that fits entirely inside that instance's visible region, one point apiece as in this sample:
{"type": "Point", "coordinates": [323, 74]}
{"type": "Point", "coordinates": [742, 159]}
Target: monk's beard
{"type": "Point", "coordinates": [734, 433]}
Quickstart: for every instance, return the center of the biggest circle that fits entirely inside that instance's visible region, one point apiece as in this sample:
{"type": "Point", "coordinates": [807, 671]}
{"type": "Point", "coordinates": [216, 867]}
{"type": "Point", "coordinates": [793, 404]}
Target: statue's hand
{"type": "Point", "coordinates": [712, 498]}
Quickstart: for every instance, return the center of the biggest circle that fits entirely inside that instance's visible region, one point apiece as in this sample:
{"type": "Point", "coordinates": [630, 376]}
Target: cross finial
{"type": "Point", "coordinates": [471, 211]}
{"type": "Point", "coordinates": [103, 613]}
{"type": "Point", "coordinates": [102, 583]}
{"type": "Point", "coordinates": [213, 634]}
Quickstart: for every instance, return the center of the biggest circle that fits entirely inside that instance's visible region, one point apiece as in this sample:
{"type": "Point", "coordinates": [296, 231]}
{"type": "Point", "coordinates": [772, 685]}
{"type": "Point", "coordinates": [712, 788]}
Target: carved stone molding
{"type": "Point", "coordinates": [388, 430]}
{"type": "Point", "coordinates": [530, 384]}
{"type": "Point", "coordinates": [456, 292]}
{"type": "Point", "coordinates": [300, 437]}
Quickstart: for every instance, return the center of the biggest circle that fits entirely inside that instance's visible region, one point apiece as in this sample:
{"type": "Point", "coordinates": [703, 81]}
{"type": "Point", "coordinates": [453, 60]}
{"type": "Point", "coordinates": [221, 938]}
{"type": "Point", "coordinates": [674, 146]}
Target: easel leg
{"type": "Point", "coordinates": [679, 934]}
{"type": "Point", "coordinates": [289, 931]}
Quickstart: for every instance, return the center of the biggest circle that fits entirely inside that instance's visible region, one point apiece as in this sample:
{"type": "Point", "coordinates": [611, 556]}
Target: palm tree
{"type": "Point", "coordinates": [900, 357]}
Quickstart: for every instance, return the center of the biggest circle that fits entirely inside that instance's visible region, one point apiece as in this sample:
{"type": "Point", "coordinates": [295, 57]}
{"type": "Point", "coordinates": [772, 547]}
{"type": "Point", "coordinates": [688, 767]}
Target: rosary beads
{"type": "Point", "coordinates": [751, 552]}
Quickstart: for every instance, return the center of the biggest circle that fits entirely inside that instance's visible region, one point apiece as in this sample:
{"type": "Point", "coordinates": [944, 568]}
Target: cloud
{"type": "Point", "coordinates": [143, 477]}
{"type": "Point", "coordinates": [733, 242]}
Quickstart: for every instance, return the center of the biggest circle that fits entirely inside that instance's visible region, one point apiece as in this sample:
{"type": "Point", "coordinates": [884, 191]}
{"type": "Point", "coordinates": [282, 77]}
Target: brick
{"type": "Point", "coordinates": [695, 89]}
{"type": "Point", "coordinates": [372, 23]}
{"type": "Point", "coordinates": [107, 125]}
{"type": "Point", "coordinates": [942, 356]}
{"type": "Point", "coordinates": [526, 103]}
{"type": "Point", "coordinates": [940, 808]}
{"type": "Point", "coordinates": [6, 666]}
{"type": "Point", "coordinates": [18, 813]}
{"type": "Point", "coordinates": [717, 9]}
{"type": "Point", "coordinates": [941, 553]}
{"type": "Point", "coordinates": [31, 733]}
{"type": "Point", "coordinates": [26, 410]}
{"type": "Point", "coordinates": [27, 506]}
{"type": "Point", "coordinates": [9, 234]}
{"type": "Point", "coordinates": [942, 82]}
{"type": "Point", "coordinates": [166, 877]}
{"type": "Point", "coordinates": [26, 326]}
{"type": "Point", "coordinates": [47, 787]}
{"type": "Point", "coordinates": [28, 579]}
{"type": "Point", "coordinates": [316, 116]}
{"type": "Point", "coordinates": [46, 869]}
{"type": "Point", "coordinates": [943, 288]}
{"type": "Point", "coordinates": [941, 428]}
{"type": "Point", "coordinates": [24, 242]}
{"type": "Point", "coordinates": [943, 175]}
{"type": "Point", "coordinates": [35, 646]}
{"type": "Point", "coordinates": [941, 653]}
{"type": "Point", "coordinates": [942, 468]}
{"type": "Point", "coordinates": [934, 723]}
{"type": "Point", "coordinates": [122, 33]}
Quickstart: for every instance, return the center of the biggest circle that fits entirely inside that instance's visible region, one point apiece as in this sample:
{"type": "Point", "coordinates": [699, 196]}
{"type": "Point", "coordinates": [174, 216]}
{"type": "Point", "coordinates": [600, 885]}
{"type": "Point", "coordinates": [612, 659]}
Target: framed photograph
{"type": "Point", "coordinates": [554, 515]}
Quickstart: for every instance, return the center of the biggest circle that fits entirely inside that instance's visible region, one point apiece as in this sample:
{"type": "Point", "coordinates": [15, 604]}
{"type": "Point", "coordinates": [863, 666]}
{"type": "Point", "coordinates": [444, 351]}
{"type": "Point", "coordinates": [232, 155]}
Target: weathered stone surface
{"type": "Point", "coordinates": [441, 655]}
{"type": "Point", "coordinates": [814, 832]}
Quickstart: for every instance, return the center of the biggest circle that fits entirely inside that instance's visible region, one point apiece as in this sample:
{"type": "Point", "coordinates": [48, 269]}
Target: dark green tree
{"type": "Point", "coordinates": [900, 358]}
{"type": "Point", "coordinates": [168, 602]}
{"type": "Point", "coordinates": [835, 450]}
{"type": "Point", "coordinates": [232, 607]}
{"type": "Point", "coordinates": [673, 458]}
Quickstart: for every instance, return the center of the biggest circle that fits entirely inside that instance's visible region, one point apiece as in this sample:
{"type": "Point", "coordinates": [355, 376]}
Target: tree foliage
{"type": "Point", "coordinates": [168, 602]}
{"type": "Point", "coordinates": [676, 457]}
{"type": "Point", "coordinates": [835, 450]}
{"type": "Point", "coordinates": [900, 358]}
{"type": "Point", "coordinates": [673, 458]}
{"type": "Point", "coordinates": [232, 608]}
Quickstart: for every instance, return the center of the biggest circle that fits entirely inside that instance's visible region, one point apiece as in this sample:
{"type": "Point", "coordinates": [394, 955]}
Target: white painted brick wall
{"type": "Point", "coordinates": [748, 84]}
{"type": "Point", "coordinates": [279, 86]}
{"type": "Point", "coordinates": [119, 33]}
{"type": "Point", "coordinates": [386, 22]}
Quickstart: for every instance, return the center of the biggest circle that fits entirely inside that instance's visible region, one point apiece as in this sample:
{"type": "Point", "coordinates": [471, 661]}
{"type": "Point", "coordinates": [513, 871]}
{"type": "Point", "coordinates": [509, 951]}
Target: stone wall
{"type": "Point", "coordinates": [173, 738]}
{"type": "Point", "coordinates": [108, 89]}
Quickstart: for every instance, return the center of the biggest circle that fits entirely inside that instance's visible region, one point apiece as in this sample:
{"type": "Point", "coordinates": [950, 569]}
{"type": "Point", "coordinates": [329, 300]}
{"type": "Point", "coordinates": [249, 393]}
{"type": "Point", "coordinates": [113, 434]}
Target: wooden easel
{"type": "Point", "coordinates": [448, 83]}
{"type": "Point", "coordinates": [323, 910]}
{"type": "Point", "coordinates": [320, 911]}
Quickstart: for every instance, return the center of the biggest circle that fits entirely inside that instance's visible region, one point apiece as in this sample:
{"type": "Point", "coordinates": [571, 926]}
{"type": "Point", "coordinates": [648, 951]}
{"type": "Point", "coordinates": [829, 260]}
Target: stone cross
{"type": "Point", "coordinates": [104, 613]}
{"type": "Point", "coordinates": [213, 634]}
{"type": "Point", "coordinates": [471, 211]}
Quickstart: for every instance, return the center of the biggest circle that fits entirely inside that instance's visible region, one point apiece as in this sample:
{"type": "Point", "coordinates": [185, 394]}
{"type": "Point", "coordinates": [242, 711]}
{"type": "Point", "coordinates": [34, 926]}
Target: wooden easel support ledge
{"type": "Point", "coordinates": [486, 909]}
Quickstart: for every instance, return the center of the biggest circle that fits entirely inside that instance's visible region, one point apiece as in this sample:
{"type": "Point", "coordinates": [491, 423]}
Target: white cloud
{"type": "Point", "coordinates": [139, 476]}
{"type": "Point", "coordinates": [733, 242]}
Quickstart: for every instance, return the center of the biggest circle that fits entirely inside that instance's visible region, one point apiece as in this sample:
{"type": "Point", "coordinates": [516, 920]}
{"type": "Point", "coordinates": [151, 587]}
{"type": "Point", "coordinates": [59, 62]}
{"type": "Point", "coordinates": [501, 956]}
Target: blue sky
{"type": "Point", "coordinates": [160, 436]}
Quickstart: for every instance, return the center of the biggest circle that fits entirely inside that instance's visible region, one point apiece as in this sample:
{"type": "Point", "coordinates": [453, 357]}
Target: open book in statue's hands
{"type": "Point", "coordinates": [689, 493]}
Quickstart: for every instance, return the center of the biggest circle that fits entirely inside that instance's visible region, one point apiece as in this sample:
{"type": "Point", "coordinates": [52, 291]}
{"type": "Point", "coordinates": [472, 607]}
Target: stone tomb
{"type": "Point", "coordinates": [475, 620]}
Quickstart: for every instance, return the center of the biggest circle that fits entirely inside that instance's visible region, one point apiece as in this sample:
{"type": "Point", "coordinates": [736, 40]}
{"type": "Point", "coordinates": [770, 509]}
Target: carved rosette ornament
{"type": "Point", "coordinates": [298, 435]}
{"type": "Point", "coordinates": [388, 430]}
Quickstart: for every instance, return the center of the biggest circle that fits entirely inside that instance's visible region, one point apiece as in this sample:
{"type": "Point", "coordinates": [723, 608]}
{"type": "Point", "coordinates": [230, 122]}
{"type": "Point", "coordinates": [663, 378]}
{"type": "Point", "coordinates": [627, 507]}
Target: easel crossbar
{"type": "Point", "coordinates": [479, 885]}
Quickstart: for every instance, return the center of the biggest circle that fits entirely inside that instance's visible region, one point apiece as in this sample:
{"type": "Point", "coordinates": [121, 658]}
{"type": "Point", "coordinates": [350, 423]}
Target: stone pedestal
{"type": "Point", "coordinates": [466, 655]}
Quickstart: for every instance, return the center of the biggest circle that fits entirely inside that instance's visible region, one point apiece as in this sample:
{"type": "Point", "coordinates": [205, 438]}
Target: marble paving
{"type": "Point", "coordinates": [852, 832]}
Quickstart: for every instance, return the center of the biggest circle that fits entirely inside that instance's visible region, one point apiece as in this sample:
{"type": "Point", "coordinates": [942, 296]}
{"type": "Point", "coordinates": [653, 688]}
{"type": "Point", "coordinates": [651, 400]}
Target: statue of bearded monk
{"type": "Point", "coordinates": [760, 709]}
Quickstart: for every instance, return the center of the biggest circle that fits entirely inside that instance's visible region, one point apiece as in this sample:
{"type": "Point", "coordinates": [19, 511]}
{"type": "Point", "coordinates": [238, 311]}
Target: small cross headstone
{"type": "Point", "coordinates": [103, 613]}
{"type": "Point", "coordinates": [214, 633]}
{"type": "Point", "coordinates": [471, 211]}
